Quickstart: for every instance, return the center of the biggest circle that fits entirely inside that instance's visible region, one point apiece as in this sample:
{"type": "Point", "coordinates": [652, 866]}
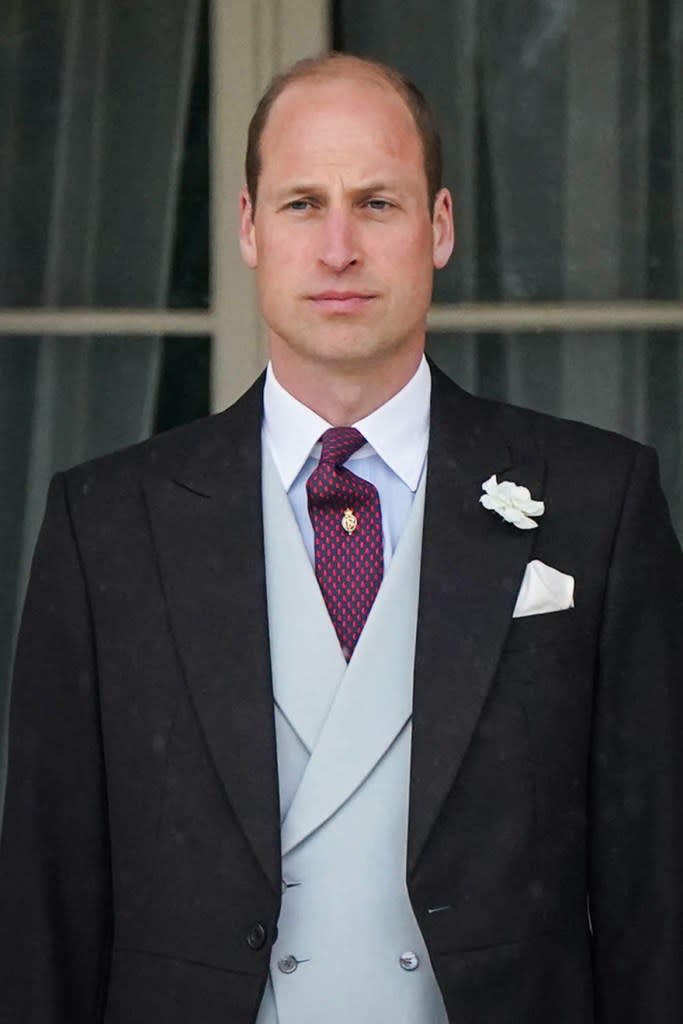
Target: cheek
{"type": "Point", "coordinates": [278, 270]}
{"type": "Point", "coordinates": [277, 250]}
{"type": "Point", "coordinates": [413, 276]}
{"type": "Point", "coordinates": [409, 255]}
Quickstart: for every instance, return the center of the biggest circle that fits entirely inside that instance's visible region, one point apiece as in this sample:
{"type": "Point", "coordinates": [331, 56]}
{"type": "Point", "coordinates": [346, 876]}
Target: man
{"type": "Point", "coordinates": [303, 729]}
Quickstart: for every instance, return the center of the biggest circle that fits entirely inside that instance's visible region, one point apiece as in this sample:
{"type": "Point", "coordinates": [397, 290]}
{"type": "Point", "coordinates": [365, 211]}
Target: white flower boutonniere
{"type": "Point", "coordinates": [512, 502]}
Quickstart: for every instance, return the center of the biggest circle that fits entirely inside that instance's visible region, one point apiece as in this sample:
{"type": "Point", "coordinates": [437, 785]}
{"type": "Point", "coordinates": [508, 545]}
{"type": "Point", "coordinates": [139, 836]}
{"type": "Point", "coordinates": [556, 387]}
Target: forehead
{"type": "Point", "coordinates": [356, 122]}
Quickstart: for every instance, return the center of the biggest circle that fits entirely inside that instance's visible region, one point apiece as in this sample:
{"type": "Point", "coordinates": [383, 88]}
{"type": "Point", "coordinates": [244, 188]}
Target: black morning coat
{"type": "Point", "coordinates": [140, 866]}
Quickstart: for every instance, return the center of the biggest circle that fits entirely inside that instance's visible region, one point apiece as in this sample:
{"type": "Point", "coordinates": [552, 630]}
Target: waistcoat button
{"type": "Point", "coordinates": [409, 961]}
{"type": "Point", "coordinates": [287, 964]}
{"type": "Point", "coordinates": [256, 936]}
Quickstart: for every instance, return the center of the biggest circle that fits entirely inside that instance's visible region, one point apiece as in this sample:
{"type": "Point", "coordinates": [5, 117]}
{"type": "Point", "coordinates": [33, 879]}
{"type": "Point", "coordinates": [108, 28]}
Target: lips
{"type": "Point", "coordinates": [333, 301]}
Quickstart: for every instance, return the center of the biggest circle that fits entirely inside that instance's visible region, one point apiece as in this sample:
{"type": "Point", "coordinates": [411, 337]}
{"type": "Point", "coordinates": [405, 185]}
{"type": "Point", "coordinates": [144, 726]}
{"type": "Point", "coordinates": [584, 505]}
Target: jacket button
{"type": "Point", "coordinates": [409, 961]}
{"type": "Point", "coordinates": [287, 964]}
{"type": "Point", "coordinates": [256, 936]}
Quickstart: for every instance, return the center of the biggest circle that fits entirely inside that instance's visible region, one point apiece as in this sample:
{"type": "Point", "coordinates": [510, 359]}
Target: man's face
{"type": "Point", "coordinates": [342, 238]}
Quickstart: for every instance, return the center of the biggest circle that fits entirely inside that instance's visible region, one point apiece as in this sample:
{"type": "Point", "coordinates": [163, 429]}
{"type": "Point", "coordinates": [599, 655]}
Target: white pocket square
{"type": "Point", "coordinates": [543, 589]}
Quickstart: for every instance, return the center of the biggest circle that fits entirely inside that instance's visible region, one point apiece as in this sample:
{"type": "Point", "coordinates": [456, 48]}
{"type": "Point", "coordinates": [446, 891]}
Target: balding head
{"type": "Point", "coordinates": [343, 65]}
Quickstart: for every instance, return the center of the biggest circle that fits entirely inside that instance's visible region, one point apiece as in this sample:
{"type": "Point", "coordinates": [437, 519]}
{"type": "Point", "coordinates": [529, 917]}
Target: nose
{"type": "Point", "coordinates": [339, 244]}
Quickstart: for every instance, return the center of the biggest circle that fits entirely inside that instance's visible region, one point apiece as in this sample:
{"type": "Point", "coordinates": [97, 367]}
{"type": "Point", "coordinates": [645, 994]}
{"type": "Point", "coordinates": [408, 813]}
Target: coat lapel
{"type": "Point", "coordinates": [472, 566]}
{"type": "Point", "coordinates": [206, 526]}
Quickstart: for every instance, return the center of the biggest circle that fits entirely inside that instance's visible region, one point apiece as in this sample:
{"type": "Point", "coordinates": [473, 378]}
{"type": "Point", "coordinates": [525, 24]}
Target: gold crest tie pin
{"type": "Point", "coordinates": [349, 521]}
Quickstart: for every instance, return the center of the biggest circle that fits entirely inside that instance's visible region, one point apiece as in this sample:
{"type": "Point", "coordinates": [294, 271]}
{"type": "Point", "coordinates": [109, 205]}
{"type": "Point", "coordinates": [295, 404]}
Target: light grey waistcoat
{"type": "Point", "coordinates": [343, 750]}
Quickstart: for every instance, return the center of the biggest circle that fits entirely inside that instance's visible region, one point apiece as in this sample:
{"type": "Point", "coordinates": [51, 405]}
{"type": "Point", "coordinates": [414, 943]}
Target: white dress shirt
{"type": "Point", "coordinates": [393, 459]}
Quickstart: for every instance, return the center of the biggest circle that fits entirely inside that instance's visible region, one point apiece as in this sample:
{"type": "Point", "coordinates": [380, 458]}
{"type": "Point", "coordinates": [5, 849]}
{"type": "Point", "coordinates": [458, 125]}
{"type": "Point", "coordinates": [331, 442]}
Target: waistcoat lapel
{"type": "Point", "coordinates": [307, 662]}
{"type": "Point", "coordinates": [373, 700]}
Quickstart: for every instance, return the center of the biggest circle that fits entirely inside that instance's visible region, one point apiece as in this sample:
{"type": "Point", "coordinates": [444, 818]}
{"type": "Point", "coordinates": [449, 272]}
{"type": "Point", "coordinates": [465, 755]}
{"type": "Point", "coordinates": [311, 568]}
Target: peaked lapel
{"type": "Point", "coordinates": [206, 526]}
{"type": "Point", "coordinates": [373, 702]}
{"type": "Point", "coordinates": [472, 566]}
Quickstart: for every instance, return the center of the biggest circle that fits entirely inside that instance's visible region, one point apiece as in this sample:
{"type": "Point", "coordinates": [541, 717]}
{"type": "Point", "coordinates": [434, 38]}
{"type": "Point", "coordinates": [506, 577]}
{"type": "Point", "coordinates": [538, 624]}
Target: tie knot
{"type": "Point", "coordinates": [338, 443]}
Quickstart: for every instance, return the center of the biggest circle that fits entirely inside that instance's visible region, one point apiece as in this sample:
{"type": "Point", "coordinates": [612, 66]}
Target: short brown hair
{"type": "Point", "coordinates": [330, 64]}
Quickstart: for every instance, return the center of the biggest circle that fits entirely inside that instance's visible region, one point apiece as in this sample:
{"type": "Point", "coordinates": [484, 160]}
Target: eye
{"type": "Point", "coordinates": [379, 204]}
{"type": "Point", "coordinates": [299, 205]}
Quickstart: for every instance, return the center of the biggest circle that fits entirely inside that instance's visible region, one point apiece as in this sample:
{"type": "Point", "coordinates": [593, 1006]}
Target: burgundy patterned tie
{"type": "Point", "coordinates": [347, 524]}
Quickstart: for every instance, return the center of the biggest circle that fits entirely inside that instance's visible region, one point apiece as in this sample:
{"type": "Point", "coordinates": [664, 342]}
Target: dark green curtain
{"type": "Point", "coordinates": [95, 101]}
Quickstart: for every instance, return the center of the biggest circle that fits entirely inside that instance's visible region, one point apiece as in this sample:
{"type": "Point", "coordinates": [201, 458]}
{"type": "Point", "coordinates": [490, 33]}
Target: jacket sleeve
{"type": "Point", "coordinates": [55, 902]}
{"type": "Point", "coordinates": [636, 820]}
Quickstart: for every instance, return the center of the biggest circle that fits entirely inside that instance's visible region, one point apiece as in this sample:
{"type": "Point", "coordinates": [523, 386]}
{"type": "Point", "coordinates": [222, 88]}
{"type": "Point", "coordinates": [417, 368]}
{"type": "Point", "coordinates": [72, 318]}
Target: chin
{"type": "Point", "coordinates": [343, 345]}
{"type": "Point", "coordinates": [346, 345]}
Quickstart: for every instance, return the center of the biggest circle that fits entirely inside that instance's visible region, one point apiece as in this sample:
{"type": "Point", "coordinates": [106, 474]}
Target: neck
{"type": "Point", "coordinates": [342, 396]}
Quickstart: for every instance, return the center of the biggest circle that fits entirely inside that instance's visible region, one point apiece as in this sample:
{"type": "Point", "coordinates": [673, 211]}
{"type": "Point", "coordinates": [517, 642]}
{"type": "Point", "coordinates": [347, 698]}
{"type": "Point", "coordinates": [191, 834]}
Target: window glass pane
{"type": "Point", "coordinates": [184, 392]}
{"type": "Point", "coordinates": [563, 138]}
{"type": "Point", "coordinates": [103, 114]}
{"type": "Point", "coordinates": [64, 400]}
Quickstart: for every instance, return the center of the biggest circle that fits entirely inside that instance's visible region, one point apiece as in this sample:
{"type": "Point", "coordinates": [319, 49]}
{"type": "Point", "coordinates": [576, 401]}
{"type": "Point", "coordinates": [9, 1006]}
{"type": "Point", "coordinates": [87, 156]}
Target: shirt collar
{"type": "Point", "coordinates": [398, 431]}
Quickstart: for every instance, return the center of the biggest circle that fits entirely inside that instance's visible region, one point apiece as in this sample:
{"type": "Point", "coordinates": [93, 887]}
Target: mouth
{"type": "Point", "coordinates": [335, 302]}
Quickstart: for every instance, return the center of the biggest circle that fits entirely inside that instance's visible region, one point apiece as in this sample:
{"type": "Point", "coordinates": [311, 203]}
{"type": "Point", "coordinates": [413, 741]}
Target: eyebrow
{"type": "Point", "coordinates": [312, 189]}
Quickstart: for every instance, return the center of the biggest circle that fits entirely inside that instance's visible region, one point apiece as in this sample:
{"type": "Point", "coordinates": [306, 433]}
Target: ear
{"type": "Point", "coordinates": [443, 228]}
{"type": "Point", "coordinates": [247, 231]}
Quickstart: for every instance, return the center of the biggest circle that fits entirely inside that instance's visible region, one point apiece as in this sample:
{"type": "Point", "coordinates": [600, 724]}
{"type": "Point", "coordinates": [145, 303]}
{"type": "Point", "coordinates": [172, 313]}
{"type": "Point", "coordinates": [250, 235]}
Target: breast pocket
{"type": "Point", "coordinates": [532, 631]}
{"type": "Point", "coordinates": [547, 668]}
